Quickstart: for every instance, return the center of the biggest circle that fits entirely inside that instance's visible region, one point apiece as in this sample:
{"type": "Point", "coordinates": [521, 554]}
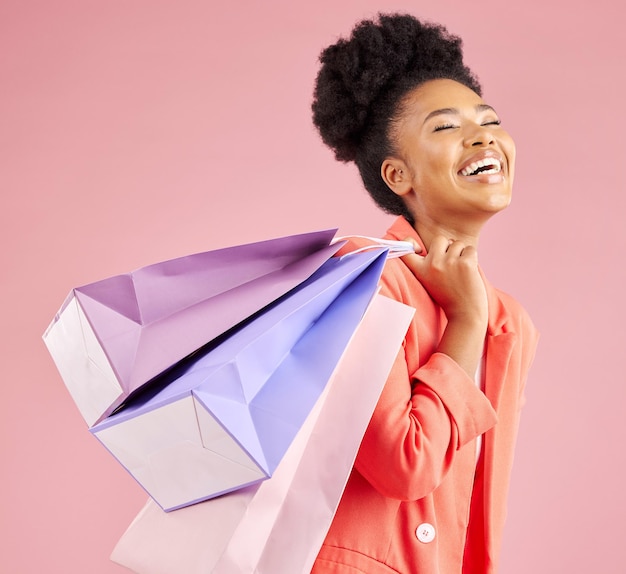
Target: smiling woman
{"type": "Point", "coordinates": [454, 162]}
{"type": "Point", "coordinates": [427, 494]}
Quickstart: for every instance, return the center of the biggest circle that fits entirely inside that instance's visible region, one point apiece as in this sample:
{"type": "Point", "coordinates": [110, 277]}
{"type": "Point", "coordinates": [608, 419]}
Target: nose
{"type": "Point", "coordinates": [479, 136]}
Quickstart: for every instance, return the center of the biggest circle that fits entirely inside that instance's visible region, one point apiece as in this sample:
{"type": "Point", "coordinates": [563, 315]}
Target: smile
{"type": "Point", "coordinates": [486, 166]}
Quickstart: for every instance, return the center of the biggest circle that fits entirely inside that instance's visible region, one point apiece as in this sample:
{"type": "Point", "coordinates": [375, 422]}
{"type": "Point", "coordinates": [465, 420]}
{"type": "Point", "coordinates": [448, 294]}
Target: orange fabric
{"type": "Point", "coordinates": [416, 463]}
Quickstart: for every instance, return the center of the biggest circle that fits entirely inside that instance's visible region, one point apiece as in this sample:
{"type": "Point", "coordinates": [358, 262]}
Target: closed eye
{"type": "Point", "coordinates": [444, 127]}
{"type": "Point", "coordinates": [492, 123]}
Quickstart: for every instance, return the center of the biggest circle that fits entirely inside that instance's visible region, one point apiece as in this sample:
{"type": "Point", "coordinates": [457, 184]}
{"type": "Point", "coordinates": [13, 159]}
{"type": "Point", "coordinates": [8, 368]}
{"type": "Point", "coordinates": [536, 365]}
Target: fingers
{"type": "Point", "coordinates": [413, 260]}
{"type": "Point", "coordinates": [449, 250]}
{"type": "Point", "coordinates": [442, 248]}
{"type": "Point", "coordinates": [449, 273]}
{"type": "Point", "coordinates": [458, 249]}
{"type": "Point", "coordinates": [440, 244]}
{"type": "Point", "coordinates": [415, 244]}
{"type": "Point", "coordinates": [442, 254]}
{"type": "Point", "coordinates": [442, 251]}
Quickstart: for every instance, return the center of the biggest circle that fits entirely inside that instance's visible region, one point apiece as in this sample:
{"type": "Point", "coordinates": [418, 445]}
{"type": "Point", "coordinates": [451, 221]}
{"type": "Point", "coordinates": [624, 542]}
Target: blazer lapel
{"type": "Point", "coordinates": [501, 388]}
{"type": "Point", "coordinates": [498, 357]}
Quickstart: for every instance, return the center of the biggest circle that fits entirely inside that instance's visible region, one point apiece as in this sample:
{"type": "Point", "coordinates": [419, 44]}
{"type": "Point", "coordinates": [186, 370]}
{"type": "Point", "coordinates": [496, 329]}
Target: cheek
{"type": "Point", "coordinates": [508, 145]}
{"type": "Point", "coordinates": [436, 162]}
{"type": "Point", "coordinates": [431, 165]}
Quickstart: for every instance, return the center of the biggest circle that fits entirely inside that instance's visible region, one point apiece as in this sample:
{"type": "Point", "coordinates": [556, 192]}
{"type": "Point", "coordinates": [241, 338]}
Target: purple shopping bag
{"type": "Point", "coordinates": [225, 419]}
{"type": "Point", "coordinates": [111, 337]}
{"type": "Point", "coordinates": [277, 526]}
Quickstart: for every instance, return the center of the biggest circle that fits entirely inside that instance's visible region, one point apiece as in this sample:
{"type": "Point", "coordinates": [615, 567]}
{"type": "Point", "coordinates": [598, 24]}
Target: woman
{"type": "Point", "coordinates": [427, 492]}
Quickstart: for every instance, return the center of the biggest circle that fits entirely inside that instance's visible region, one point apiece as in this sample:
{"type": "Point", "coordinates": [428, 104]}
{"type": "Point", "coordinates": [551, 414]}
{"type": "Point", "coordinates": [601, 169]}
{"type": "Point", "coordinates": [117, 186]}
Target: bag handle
{"type": "Point", "coordinates": [395, 248]}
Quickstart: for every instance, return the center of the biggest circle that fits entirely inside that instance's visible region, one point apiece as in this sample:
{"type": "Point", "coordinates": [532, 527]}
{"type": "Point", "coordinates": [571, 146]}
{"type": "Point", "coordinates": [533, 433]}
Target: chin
{"type": "Point", "coordinates": [499, 201]}
{"type": "Point", "coordinates": [493, 208]}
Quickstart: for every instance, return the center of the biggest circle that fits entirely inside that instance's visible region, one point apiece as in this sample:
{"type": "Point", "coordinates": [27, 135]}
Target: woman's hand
{"type": "Point", "coordinates": [449, 272]}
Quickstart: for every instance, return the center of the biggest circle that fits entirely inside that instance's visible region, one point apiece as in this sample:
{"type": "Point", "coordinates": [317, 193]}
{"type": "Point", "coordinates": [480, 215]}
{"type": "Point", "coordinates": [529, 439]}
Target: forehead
{"type": "Point", "coordinates": [439, 94]}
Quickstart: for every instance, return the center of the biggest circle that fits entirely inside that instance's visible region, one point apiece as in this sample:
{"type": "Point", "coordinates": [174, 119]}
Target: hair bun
{"type": "Point", "coordinates": [356, 72]}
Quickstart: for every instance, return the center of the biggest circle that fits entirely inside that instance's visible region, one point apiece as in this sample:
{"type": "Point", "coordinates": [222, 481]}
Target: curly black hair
{"type": "Point", "coordinates": [361, 85]}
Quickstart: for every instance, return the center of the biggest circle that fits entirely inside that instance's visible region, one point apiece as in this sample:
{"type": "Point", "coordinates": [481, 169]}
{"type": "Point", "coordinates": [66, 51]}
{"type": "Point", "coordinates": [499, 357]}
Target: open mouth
{"type": "Point", "coordinates": [488, 165]}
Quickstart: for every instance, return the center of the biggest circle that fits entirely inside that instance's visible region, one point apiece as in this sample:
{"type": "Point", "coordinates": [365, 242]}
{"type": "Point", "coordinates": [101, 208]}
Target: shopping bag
{"type": "Point", "coordinates": [227, 418]}
{"type": "Point", "coordinates": [278, 526]}
{"type": "Point", "coordinates": [111, 337]}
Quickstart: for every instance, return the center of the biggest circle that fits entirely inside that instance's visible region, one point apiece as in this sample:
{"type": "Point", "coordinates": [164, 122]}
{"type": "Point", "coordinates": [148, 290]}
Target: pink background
{"type": "Point", "coordinates": [136, 131]}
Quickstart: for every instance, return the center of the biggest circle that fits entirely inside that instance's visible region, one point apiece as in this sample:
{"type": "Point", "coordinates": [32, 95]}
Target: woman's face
{"type": "Point", "coordinates": [459, 161]}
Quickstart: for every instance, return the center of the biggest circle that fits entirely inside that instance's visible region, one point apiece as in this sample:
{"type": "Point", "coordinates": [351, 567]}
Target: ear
{"type": "Point", "coordinates": [396, 175]}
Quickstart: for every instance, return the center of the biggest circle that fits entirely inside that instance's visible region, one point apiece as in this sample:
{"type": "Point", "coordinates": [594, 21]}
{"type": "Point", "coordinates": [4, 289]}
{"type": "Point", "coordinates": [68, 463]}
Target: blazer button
{"type": "Point", "coordinates": [425, 532]}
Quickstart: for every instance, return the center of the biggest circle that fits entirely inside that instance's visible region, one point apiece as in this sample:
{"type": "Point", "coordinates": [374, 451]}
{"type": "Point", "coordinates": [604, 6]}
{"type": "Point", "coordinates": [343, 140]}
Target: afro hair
{"type": "Point", "coordinates": [363, 80]}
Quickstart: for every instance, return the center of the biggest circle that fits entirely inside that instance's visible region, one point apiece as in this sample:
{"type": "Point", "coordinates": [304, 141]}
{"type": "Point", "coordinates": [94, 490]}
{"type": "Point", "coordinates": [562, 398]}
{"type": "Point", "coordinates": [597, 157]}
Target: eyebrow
{"type": "Point", "coordinates": [455, 111]}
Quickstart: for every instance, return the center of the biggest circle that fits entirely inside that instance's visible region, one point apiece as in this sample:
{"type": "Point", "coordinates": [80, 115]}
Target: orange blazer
{"type": "Point", "coordinates": [417, 501]}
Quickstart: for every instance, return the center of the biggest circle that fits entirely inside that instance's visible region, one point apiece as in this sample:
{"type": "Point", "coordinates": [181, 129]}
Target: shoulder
{"type": "Point", "coordinates": [397, 281]}
{"type": "Point", "coordinates": [515, 310]}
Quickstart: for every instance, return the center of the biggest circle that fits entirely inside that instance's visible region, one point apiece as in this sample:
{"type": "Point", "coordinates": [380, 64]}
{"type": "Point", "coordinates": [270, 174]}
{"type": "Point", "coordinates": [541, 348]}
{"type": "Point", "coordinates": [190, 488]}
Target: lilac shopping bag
{"type": "Point", "coordinates": [227, 417]}
{"type": "Point", "coordinates": [111, 337]}
{"type": "Point", "coordinates": [277, 526]}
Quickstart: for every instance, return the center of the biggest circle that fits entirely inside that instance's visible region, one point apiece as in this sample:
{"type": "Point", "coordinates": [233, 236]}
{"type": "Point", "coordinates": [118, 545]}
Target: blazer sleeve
{"type": "Point", "coordinates": [425, 414]}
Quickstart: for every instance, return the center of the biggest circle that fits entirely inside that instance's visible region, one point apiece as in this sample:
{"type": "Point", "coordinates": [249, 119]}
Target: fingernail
{"type": "Point", "coordinates": [416, 246]}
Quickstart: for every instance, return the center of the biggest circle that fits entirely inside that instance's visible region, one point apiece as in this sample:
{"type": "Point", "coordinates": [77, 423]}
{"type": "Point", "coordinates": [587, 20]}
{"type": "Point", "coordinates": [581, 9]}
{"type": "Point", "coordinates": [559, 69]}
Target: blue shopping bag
{"type": "Point", "coordinates": [225, 418]}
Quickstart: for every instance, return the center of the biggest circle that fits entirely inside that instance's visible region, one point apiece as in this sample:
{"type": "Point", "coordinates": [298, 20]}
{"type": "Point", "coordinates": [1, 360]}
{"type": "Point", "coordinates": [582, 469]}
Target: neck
{"type": "Point", "coordinates": [428, 230]}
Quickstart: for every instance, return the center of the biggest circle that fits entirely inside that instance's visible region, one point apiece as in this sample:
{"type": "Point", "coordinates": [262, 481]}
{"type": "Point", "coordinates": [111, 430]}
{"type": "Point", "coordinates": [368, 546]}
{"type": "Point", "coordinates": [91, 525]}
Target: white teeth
{"type": "Point", "coordinates": [491, 162]}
